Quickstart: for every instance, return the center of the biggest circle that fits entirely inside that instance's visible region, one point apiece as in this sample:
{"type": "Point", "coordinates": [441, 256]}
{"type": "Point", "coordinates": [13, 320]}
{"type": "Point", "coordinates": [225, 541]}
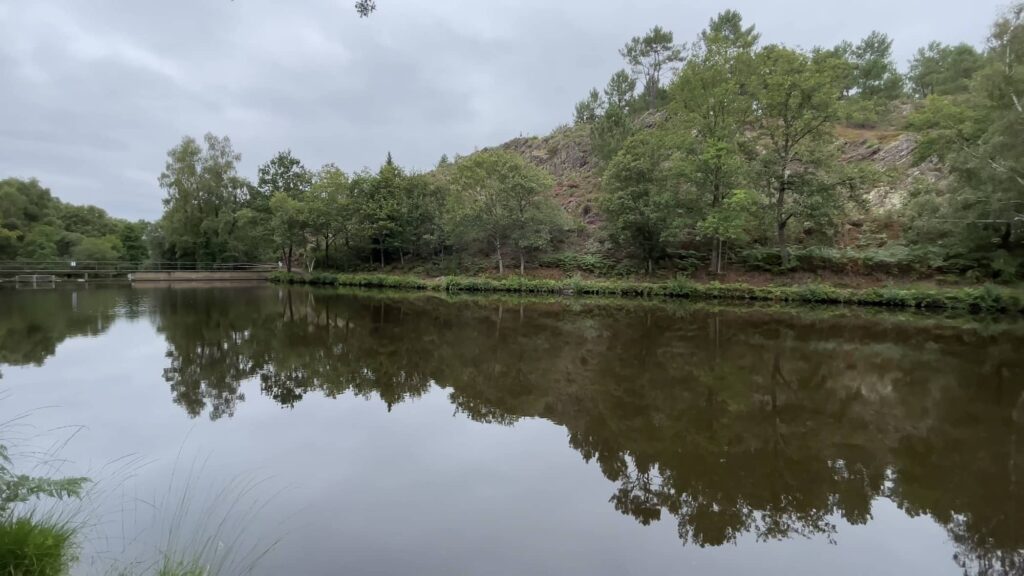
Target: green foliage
{"type": "Point", "coordinates": [977, 134]}
{"type": "Point", "coordinates": [572, 262]}
{"type": "Point", "coordinates": [874, 72]}
{"type": "Point", "coordinates": [638, 199]}
{"type": "Point", "coordinates": [649, 56]}
{"type": "Point", "coordinates": [36, 226]}
{"type": "Point", "coordinates": [943, 70]}
{"type": "Point", "coordinates": [107, 248]}
{"type": "Point", "coordinates": [796, 99]}
{"type": "Point", "coordinates": [734, 219]}
{"type": "Point", "coordinates": [34, 547]}
{"type": "Point", "coordinates": [712, 109]}
{"type": "Point", "coordinates": [31, 545]}
{"type": "Point", "coordinates": [982, 299]}
{"type": "Point", "coordinates": [204, 193]}
{"type": "Point", "coordinates": [22, 488]}
{"type": "Point", "coordinates": [503, 203]}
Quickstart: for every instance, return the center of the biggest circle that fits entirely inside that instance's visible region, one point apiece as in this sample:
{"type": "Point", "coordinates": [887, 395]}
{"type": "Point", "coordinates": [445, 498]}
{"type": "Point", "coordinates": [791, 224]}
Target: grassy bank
{"type": "Point", "coordinates": [985, 298]}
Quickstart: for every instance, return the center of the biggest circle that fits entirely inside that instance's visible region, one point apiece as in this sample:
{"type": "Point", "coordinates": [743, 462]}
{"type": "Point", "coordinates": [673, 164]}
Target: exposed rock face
{"type": "Point", "coordinates": [566, 155]}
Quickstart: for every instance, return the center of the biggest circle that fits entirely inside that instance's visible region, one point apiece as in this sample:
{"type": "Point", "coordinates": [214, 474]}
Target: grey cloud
{"type": "Point", "coordinates": [96, 92]}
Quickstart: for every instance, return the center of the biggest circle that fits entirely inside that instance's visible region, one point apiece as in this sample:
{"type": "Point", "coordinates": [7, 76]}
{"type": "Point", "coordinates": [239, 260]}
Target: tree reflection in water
{"type": "Point", "coordinates": [732, 421]}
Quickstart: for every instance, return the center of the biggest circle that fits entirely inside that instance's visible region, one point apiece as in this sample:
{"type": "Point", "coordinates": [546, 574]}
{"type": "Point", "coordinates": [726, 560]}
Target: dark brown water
{"type": "Point", "coordinates": [415, 434]}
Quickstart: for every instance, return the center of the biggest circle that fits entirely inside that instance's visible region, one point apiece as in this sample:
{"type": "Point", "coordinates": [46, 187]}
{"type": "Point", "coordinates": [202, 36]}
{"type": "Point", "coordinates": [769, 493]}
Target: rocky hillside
{"type": "Point", "coordinates": [566, 154]}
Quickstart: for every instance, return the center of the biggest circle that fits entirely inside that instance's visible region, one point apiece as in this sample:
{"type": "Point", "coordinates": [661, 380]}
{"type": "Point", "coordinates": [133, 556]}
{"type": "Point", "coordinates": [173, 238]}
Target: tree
{"type": "Point", "coordinates": [203, 191]}
{"type": "Point", "coordinates": [978, 136]}
{"type": "Point", "coordinates": [712, 107]}
{"type": "Point", "coordinates": [376, 204]}
{"type": "Point", "coordinates": [734, 220]}
{"type": "Point", "coordinates": [328, 207]}
{"type": "Point", "coordinates": [796, 99]}
{"type": "Point", "coordinates": [943, 70]}
{"type": "Point", "coordinates": [105, 249]}
{"type": "Point", "coordinates": [132, 236]}
{"type": "Point", "coordinates": [589, 109]}
{"type": "Point", "coordinates": [638, 200]}
{"type": "Point", "coordinates": [649, 56]}
{"type": "Point", "coordinates": [284, 175]}
{"type": "Point", "coordinates": [875, 73]}
{"type": "Point", "coordinates": [506, 200]}
{"type": "Point", "coordinates": [289, 224]}
{"type": "Point", "coordinates": [620, 90]}
{"type": "Point", "coordinates": [608, 115]}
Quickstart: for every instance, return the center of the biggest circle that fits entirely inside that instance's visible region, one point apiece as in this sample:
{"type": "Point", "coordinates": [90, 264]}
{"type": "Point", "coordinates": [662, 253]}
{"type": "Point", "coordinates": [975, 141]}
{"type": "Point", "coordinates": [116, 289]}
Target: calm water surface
{"type": "Point", "coordinates": [386, 434]}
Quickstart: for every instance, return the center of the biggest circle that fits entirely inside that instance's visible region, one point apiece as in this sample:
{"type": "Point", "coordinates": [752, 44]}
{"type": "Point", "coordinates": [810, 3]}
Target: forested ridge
{"type": "Point", "coordinates": [725, 153]}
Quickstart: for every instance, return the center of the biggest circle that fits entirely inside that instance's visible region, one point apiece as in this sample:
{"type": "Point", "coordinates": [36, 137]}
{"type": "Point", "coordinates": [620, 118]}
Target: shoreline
{"type": "Point", "coordinates": [976, 299]}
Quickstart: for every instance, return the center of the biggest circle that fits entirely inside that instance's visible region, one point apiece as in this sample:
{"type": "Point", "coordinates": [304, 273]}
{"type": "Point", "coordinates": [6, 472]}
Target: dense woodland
{"type": "Point", "coordinates": [724, 153]}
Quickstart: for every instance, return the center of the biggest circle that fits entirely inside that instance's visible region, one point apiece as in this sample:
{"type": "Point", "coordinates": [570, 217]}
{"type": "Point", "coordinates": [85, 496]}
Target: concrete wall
{"type": "Point", "coordinates": [198, 276]}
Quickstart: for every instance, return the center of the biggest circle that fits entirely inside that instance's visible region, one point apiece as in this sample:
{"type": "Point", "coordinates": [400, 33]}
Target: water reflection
{"type": "Point", "coordinates": [731, 422]}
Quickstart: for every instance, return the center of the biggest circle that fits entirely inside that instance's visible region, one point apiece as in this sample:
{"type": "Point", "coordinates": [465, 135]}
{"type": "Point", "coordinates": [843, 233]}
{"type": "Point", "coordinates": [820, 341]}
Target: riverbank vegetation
{"type": "Point", "coordinates": [986, 298]}
{"type": "Point", "coordinates": [44, 521]}
{"type": "Point", "coordinates": [724, 154]}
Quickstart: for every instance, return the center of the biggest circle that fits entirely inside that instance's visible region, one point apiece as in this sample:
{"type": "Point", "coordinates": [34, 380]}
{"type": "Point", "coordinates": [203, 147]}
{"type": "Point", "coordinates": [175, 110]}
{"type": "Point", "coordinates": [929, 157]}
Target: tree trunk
{"type": "Point", "coordinates": [382, 255]}
{"type": "Point", "coordinates": [716, 255]}
{"type": "Point", "coordinates": [522, 263]}
{"type": "Point", "coordinates": [289, 263]}
{"type": "Point", "coordinates": [650, 267]}
{"type": "Point", "coordinates": [780, 217]}
{"type": "Point", "coordinates": [501, 265]}
{"type": "Point", "coordinates": [783, 249]}
{"type": "Point", "coordinates": [721, 256]}
{"type": "Point", "coordinates": [327, 252]}
{"type": "Point", "coordinates": [401, 256]}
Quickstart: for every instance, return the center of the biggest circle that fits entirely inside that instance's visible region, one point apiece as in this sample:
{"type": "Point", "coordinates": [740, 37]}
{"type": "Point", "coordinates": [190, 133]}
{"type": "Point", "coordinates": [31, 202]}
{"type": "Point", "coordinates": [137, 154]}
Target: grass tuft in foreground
{"type": "Point", "coordinates": [31, 546]}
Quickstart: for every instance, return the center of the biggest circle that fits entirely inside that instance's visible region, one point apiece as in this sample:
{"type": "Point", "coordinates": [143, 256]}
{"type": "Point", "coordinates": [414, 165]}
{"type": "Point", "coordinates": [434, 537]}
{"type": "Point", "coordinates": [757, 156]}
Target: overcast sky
{"type": "Point", "coordinates": [94, 92]}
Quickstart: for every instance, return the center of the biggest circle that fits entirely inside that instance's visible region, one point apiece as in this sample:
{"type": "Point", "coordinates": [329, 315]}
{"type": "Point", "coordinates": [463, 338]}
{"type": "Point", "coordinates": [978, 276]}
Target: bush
{"type": "Point", "coordinates": [570, 262]}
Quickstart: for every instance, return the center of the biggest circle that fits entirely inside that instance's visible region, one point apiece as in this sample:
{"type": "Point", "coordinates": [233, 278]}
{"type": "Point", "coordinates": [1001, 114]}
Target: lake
{"type": "Point", "coordinates": [347, 432]}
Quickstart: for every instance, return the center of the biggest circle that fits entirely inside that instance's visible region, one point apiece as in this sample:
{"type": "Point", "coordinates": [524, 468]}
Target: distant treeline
{"type": "Point", "coordinates": [36, 226]}
{"type": "Point", "coordinates": [722, 152]}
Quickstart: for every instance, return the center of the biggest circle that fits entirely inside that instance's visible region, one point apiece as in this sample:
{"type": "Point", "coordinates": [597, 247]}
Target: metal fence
{"type": "Point", "coordinates": [72, 267]}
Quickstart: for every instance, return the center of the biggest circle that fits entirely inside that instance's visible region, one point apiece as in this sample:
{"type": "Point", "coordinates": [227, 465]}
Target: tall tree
{"type": "Point", "coordinates": [638, 198]}
{"type": "Point", "coordinates": [620, 90]}
{"type": "Point", "coordinates": [203, 191]}
{"type": "Point", "coordinates": [376, 201]}
{"type": "Point", "coordinates": [712, 107]}
{"type": "Point", "coordinates": [283, 175]}
{"type": "Point", "coordinates": [328, 207]}
{"type": "Point", "coordinates": [943, 70]}
{"type": "Point", "coordinates": [506, 200]}
{"type": "Point", "coordinates": [796, 99]}
{"type": "Point", "coordinates": [649, 56]}
{"type": "Point", "coordinates": [875, 71]}
{"type": "Point", "coordinates": [978, 135]}
{"type": "Point", "coordinates": [288, 220]}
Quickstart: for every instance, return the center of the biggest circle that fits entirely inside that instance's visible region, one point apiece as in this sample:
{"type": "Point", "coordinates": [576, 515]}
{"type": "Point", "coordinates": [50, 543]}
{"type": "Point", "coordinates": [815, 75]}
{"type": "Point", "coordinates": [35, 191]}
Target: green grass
{"type": "Point", "coordinates": [30, 546]}
{"type": "Point", "coordinates": [985, 298]}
